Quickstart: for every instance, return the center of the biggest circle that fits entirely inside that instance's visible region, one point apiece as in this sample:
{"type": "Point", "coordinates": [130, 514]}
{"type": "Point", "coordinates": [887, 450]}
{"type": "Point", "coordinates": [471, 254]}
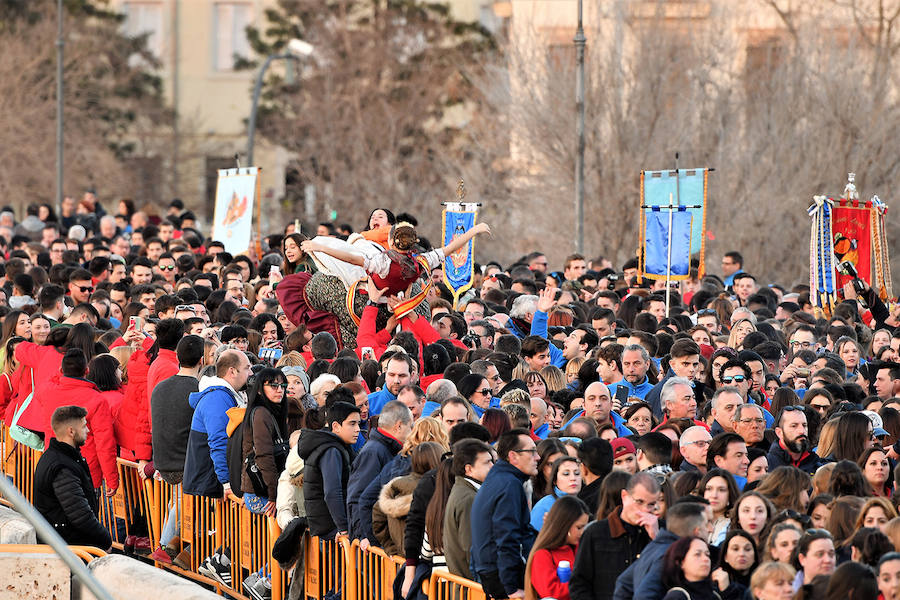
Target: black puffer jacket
{"type": "Point", "coordinates": [325, 513]}
{"type": "Point", "coordinates": [64, 495]}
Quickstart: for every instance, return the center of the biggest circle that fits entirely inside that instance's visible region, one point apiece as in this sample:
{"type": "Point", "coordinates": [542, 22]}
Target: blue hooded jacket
{"type": "Point", "coordinates": [206, 464]}
{"type": "Point", "coordinates": [502, 535]}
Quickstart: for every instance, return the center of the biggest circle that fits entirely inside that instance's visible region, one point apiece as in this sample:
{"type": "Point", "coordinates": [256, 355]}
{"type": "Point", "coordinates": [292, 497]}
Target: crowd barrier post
{"type": "Point", "coordinates": [374, 571]}
{"type": "Point", "coordinates": [328, 565]}
{"type": "Point", "coordinates": [444, 585]}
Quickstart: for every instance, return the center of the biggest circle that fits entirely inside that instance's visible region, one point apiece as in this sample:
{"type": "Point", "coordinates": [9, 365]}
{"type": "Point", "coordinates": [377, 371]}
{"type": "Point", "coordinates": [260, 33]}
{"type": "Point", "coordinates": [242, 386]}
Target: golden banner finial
{"type": "Point", "coordinates": [461, 191]}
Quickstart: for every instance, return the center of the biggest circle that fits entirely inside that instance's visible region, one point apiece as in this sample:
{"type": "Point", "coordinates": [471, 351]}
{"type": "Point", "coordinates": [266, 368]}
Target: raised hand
{"type": "Point", "coordinates": [546, 299]}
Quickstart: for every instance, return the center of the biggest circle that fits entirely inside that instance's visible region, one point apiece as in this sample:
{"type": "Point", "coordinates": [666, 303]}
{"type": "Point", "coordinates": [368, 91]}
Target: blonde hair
{"type": "Point", "coordinates": [516, 396]}
{"type": "Point", "coordinates": [822, 479]}
{"type": "Point", "coordinates": [520, 370]}
{"type": "Point", "coordinates": [123, 355]}
{"type": "Point", "coordinates": [573, 365]}
{"type": "Point", "coordinates": [291, 359]}
{"type": "Point", "coordinates": [892, 530]}
{"type": "Point", "coordinates": [732, 341]}
{"type": "Point", "coordinates": [827, 436]}
{"type": "Point", "coordinates": [767, 571]}
{"type": "Point", "coordinates": [426, 429]}
{"type": "Point", "coordinates": [554, 378]}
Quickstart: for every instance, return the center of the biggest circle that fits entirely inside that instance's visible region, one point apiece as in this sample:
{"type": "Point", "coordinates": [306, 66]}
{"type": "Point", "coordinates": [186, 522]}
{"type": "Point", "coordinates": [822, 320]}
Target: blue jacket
{"type": "Point", "coordinates": [367, 465]}
{"type": "Point", "coordinates": [206, 464]}
{"type": "Point", "coordinates": [397, 467]}
{"type": "Point", "coordinates": [501, 531]}
{"type": "Point", "coordinates": [429, 407]}
{"type": "Point", "coordinates": [621, 429]}
{"type": "Point", "coordinates": [539, 327]}
{"type": "Point", "coordinates": [542, 431]}
{"type": "Point", "coordinates": [378, 399]}
{"type": "Point", "coordinates": [643, 579]}
{"type": "Point", "coordinates": [639, 391]}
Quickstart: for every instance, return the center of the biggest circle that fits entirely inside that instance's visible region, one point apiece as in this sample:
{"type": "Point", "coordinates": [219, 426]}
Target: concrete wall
{"type": "Point", "coordinates": [129, 579]}
{"type": "Point", "coordinates": [33, 576]}
{"type": "Point", "coordinates": [14, 529]}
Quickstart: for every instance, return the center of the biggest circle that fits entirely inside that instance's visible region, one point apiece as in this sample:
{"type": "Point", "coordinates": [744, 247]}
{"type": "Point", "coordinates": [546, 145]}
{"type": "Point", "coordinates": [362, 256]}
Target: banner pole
{"type": "Point", "coordinates": [669, 255]}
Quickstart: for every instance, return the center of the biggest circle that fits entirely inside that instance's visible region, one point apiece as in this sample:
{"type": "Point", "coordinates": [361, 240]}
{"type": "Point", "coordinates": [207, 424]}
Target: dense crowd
{"type": "Point", "coordinates": [577, 433]}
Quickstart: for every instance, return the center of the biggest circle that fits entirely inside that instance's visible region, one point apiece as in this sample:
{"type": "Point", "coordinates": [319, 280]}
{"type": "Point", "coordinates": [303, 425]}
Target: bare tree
{"type": "Point", "coordinates": [780, 123]}
{"type": "Point", "coordinates": [110, 98]}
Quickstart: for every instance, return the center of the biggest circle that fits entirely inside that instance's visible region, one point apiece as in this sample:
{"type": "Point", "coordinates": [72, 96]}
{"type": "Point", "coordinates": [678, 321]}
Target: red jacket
{"type": "Point", "coordinates": [165, 365]}
{"type": "Point", "coordinates": [18, 390]}
{"type": "Point", "coordinates": [114, 399]}
{"type": "Point", "coordinates": [134, 418]}
{"type": "Point", "coordinates": [543, 572]}
{"type": "Point", "coordinates": [100, 449]}
{"type": "Point", "coordinates": [45, 361]}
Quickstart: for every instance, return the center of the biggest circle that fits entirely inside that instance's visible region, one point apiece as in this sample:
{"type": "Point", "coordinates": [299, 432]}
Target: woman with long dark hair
{"type": "Point", "coordinates": [738, 556]}
{"type": "Point", "coordinates": [854, 436]}
{"type": "Point", "coordinates": [565, 480]}
{"type": "Point", "coordinates": [106, 373]}
{"type": "Point", "coordinates": [686, 573]}
{"type": "Point", "coordinates": [557, 541]}
{"type": "Point", "coordinates": [379, 226]}
{"type": "Point", "coordinates": [265, 440]}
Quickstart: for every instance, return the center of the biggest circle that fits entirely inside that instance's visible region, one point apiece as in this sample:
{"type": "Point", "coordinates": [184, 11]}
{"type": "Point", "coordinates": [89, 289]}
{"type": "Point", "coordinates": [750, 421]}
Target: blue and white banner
{"type": "Point", "coordinates": [672, 200]}
{"type": "Point", "coordinates": [459, 267]}
{"type": "Point", "coordinates": [656, 244]}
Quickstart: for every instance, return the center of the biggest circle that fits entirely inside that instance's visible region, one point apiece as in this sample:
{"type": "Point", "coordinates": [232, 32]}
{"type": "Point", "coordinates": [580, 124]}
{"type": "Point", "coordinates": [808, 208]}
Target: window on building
{"type": "Point", "coordinates": [145, 18]}
{"type": "Point", "coordinates": [230, 40]}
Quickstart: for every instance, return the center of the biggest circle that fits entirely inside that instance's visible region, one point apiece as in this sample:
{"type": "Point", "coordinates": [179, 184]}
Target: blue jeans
{"type": "Point", "coordinates": [172, 524]}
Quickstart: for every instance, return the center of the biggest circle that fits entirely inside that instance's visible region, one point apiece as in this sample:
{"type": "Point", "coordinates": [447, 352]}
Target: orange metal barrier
{"type": "Point", "coordinates": [19, 462]}
{"type": "Point", "coordinates": [328, 563]}
{"type": "Point", "coordinates": [129, 504]}
{"type": "Point", "coordinates": [85, 553]}
{"type": "Point", "coordinates": [447, 586]}
{"type": "Point", "coordinates": [374, 571]}
{"type": "Point", "coordinates": [208, 524]}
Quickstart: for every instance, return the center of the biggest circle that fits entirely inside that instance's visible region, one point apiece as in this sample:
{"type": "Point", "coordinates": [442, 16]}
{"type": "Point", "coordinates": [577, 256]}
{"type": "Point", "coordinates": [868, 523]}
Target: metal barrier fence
{"type": "Point", "coordinates": [332, 568]}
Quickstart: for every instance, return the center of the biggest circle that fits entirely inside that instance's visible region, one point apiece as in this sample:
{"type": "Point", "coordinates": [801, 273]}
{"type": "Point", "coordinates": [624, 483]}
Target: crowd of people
{"type": "Point", "coordinates": [577, 434]}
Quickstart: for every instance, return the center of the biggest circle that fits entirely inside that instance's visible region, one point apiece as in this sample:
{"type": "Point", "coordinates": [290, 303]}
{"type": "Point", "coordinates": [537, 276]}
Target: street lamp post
{"type": "Point", "coordinates": [580, 41]}
{"type": "Point", "coordinates": [60, 43]}
{"type": "Point", "coordinates": [296, 49]}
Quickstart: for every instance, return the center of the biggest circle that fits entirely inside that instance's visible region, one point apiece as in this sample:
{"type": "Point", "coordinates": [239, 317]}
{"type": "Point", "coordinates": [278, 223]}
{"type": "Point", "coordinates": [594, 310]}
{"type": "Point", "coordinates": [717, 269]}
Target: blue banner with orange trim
{"type": "Point", "coordinates": [459, 267]}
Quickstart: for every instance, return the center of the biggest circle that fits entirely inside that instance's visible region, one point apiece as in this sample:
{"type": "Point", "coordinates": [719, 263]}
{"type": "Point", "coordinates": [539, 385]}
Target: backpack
{"type": "Point", "coordinates": [21, 434]}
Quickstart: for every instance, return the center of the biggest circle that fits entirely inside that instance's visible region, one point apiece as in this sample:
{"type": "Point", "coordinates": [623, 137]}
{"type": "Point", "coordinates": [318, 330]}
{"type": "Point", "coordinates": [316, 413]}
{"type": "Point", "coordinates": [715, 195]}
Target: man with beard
{"type": "Point", "coordinates": [63, 491]}
{"type": "Point", "coordinates": [792, 448]}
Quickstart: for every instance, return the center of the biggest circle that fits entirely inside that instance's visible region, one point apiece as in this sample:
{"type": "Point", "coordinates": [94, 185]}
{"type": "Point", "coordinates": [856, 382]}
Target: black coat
{"type": "Point", "coordinates": [605, 551]}
{"type": "Point", "coordinates": [312, 445]}
{"type": "Point", "coordinates": [64, 495]}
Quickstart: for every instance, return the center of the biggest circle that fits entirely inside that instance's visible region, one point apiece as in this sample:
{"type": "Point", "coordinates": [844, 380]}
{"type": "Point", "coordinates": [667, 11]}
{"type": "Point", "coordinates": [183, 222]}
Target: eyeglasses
{"type": "Point", "coordinates": [792, 408]}
{"type": "Point", "coordinates": [484, 391]}
{"type": "Point", "coordinates": [821, 407]}
{"type": "Point", "coordinates": [275, 386]}
{"type": "Point", "coordinates": [754, 421]}
{"type": "Point", "coordinates": [184, 307]}
{"type": "Point", "coordinates": [527, 451]}
{"type": "Point", "coordinates": [706, 311]}
{"type": "Point", "coordinates": [734, 378]}
{"type": "Point", "coordinates": [698, 443]}
{"type": "Point", "coordinates": [85, 289]}
{"type": "Point", "coordinates": [804, 345]}
{"type": "Point", "coordinates": [167, 267]}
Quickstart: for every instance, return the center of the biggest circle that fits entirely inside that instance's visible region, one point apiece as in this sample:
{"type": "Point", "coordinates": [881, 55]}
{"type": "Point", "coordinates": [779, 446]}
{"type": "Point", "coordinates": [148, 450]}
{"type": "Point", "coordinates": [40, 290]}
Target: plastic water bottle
{"type": "Point", "coordinates": [564, 571]}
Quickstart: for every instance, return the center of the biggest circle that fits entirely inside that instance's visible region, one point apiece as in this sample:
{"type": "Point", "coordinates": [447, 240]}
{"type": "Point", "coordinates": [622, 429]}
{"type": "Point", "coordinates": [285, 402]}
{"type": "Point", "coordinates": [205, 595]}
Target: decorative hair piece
{"type": "Point", "coordinates": [404, 225]}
